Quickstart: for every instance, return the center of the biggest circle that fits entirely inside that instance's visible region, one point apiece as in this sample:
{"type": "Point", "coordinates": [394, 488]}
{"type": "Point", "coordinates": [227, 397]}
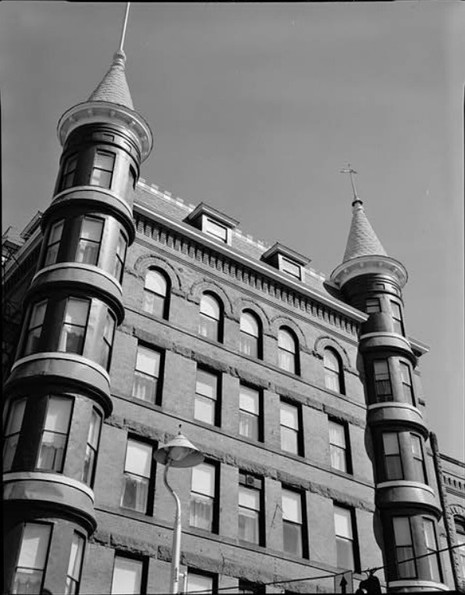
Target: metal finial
{"type": "Point", "coordinates": [349, 170]}
{"type": "Point", "coordinates": [179, 429]}
{"type": "Point", "coordinates": [125, 24]}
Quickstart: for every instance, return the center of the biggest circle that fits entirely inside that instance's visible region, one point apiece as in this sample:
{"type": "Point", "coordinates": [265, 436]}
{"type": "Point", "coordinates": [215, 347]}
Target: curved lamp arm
{"type": "Point", "coordinates": [176, 549]}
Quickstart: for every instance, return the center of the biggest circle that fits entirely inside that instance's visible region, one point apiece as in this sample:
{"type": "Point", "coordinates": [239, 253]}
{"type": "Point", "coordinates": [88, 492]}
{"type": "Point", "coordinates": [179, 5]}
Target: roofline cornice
{"type": "Point", "coordinates": [370, 264]}
{"type": "Point", "coordinates": [257, 266]}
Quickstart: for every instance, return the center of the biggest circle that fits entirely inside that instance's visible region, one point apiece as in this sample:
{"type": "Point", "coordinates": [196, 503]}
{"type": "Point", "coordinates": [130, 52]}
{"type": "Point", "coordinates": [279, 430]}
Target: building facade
{"type": "Point", "coordinates": [129, 313]}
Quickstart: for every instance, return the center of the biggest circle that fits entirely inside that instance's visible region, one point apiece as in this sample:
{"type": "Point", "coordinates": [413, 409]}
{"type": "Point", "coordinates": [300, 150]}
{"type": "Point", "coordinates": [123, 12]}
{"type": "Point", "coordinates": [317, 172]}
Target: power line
{"type": "Point", "coordinates": [332, 575]}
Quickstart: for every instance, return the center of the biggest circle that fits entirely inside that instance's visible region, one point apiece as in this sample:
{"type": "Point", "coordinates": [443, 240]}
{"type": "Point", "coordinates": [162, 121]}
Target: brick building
{"type": "Point", "coordinates": [129, 313]}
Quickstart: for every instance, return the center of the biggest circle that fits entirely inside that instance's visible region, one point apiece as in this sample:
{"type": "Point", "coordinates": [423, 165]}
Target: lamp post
{"type": "Point", "coordinates": [179, 452]}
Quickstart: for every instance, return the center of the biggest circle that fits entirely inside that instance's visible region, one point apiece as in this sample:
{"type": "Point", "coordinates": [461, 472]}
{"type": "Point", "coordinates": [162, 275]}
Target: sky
{"type": "Point", "coordinates": [255, 109]}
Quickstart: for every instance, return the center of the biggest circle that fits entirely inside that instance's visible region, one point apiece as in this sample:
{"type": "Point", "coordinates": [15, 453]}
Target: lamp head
{"type": "Point", "coordinates": [179, 452]}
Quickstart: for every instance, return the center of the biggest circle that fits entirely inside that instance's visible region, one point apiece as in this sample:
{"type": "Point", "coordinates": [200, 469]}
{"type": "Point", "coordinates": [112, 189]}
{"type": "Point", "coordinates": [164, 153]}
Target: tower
{"type": "Point", "coordinates": [58, 391]}
{"type": "Point", "coordinates": [409, 510]}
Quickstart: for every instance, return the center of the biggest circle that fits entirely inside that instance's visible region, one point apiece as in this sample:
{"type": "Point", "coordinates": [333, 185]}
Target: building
{"type": "Point", "coordinates": [130, 313]}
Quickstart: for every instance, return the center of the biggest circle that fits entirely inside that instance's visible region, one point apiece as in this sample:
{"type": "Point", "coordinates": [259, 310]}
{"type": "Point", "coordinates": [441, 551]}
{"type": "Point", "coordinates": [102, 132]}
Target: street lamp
{"type": "Point", "coordinates": [179, 452]}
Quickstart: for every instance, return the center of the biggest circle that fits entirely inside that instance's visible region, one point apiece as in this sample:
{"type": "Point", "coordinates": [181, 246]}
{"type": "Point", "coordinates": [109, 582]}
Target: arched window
{"type": "Point", "coordinates": [250, 335]}
{"type": "Point", "coordinates": [288, 351]}
{"type": "Point", "coordinates": [334, 378]}
{"type": "Point", "coordinates": [155, 293]}
{"type": "Point", "coordinates": [210, 317]}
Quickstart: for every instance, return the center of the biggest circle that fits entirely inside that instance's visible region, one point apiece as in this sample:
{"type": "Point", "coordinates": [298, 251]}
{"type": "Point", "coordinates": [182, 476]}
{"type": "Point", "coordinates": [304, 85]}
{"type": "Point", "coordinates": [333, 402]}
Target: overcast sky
{"type": "Point", "coordinates": [255, 108]}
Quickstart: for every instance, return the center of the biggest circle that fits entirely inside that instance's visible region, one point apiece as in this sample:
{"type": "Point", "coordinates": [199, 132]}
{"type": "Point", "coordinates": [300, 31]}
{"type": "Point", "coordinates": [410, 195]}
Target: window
{"type": "Point", "coordinates": [93, 437]}
{"type": "Point", "coordinates": [210, 317]}
{"type": "Point", "coordinates": [249, 343]}
{"type": "Point", "coordinates": [290, 428]}
{"type": "Point", "coordinates": [372, 305]}
{"type": "Point", "coordinates": [431, 543]}
{"type": "Point", "coordinates": [287, 351]}
{"type": "Point", "coordinates": [250, 509]}
{"type": "Point", "coordinates": [73, 576]}
{"type": "Point", "coordinates": [397, 318]}
{"type": "Point", "coordinates": [418, 458]}
{"type": "Point", "coordinates": [215, 229]}
{"type": "Point", "coordinates": [155, 292]}
{"type": "Point", "coordinates": [90, 238]}
{"type": "Point", "coordinates": [104, 355]}
{"type": "Point", "coordinates": [102, 170]}
{"type": "Point", "coordinates": [69, 170]}
{"type": "Point", "coordinates": [404, 548]}
{"type": "Point", "coordinates": [12, 432]}
{"type": "Point", "coordinates": [247, 588]}
{"type": "Point", "coordinates": [406, 382]}
{"type": "Point", "coordinates": [34, 330]}
{"type": "Point", "coordinates": [460, 540]}
{"type": "Point", "coordinates": [249, 412]}
{"type": "Point", "coordinates": [146, 374]}
{"type": "Point", "coordinates": [55, 435]}
{"type": "Point", "coordinates": [338, 446]}
{"type": "Point", "coordinates": [137, 476]}
{"type": "Point", "coordinates": [202, 500]}
{"type": "Point", "coordinates": [392, 459]}
{"type": "Point", "coordinates": [383, 388]}
{"type": "Point", "coordinates": [345, 540]}
{"type": "Point", "coordinates": [290, 267]}
{"type": "Point", "coordinates": [293, 541]}
{"type": "Point", "coordinates": [120, 256]}
{"type": "Point", "coordinates": [199, 581]}
{"type": "Point", "coordinates": [128, 576]}
{"type": "Point", "coordinates": [206, 397]}
{"type": "Point", "coordinates": [74, 325]}
{"type": "Point", "coordinates": [334, 379]}
{"type": "Point", "coordinates": [32, 560]}
{"type": "Point", "coordinates": [53, 244]}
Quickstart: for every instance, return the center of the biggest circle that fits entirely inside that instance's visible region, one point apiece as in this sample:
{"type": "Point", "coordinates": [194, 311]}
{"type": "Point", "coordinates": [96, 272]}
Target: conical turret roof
{"type": "Point", "coordinates": [114, 87]}
{"type": "Point", "coordinates": [362, 240]}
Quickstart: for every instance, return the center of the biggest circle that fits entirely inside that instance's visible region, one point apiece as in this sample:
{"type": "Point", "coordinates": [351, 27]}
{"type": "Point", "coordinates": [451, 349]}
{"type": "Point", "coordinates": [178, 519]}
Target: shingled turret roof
{"type": "Point", "coordinates": [114, 86]}
{"type": "Point", "coordinates": [362, 240]}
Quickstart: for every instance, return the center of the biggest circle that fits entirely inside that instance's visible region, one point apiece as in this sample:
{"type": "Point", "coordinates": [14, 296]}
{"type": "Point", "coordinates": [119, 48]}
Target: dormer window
{"type": "Point", "coordinates": [286, 260]}
{"type": "Point", "coordinates": [212, 222]}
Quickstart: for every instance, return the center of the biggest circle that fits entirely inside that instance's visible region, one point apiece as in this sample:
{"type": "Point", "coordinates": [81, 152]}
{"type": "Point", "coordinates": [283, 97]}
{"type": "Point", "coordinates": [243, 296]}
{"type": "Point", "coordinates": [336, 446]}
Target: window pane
{"type": "Point", "coordinates": [431, 546]}
{"type": "Point", "coordinates": [343, 522]}
{"type": "Point", "coordinates": [292, 538]}
{"type": "Point", "coordinates": [337, 434]}
{"type": "Point", "coordinates": [75, 558]}
{"type": "Point", "coordinates": [292, 506]}
{"type": "Point", "coordinates": [138, 458]}
{"type": "Point", "coordinates": [206, 384]}
{"type": "Point", "coordinates": [345, 554]}
{"type": "Point", "coordinates": [290, 267]}
{"type": "Point", "coordinates": [286, 341]}
{"type": "Point", "coordinates": [286, 361]}
{"type": "Point", "coordinates": [215, 229]}
{"type": "Point", "coordinates": [91, 229]}
{"type": "Point", "coordinates": [135, 492]}
{"type": "Point", "coordinates": [203, 479]}
{"type": "Point", "coordinates": [248, 525]}
{"type": "Point", "coordinates": [372, 305]}
{"type": "Point", "coordinates": [197, 582]}
{"type": "Point", "coordinates": [15, 418]}
{"type": "Point", "coordinates": [289, 415]}
{"type": "Point", "coordinates": [201, 512]}
{"type": "Point", "coordinates": [148, 361]}
{"type": "Point", "coordinates": [38, 314]}
{"type": "Point", "coordinates": [34, 546]}
{"type": "Point", "coordinates": [249, 498]}
{"type": "Point", "coordinates": [127, 576]}
{"type": "Point", "coordinates": [210, 307]}
{"type": "Point", "coordinates": [249, 324]}
{"type": "Point", "coordinates": [204, 410]}
{"type": "Point", "coordinates": [58, 414]}
{"type": "Point", "coordinates": [248, 425]}
{"type": "Point", "coordinates": [289, 440]}
{"type": "Point", "coordinates": [156, 282]}
{"type": "Point", "coordinates": [249, 399]}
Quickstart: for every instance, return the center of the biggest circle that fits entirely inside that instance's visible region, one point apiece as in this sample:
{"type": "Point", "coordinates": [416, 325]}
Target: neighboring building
{"type": "Point", "coordinates": [303, 394]}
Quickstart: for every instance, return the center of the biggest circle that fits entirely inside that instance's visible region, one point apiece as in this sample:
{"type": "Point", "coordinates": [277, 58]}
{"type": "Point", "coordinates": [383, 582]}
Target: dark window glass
{"type": "Point", "coordinates": [32, 560]}
{"type": "Point", "coordinates": [137, 473]}
{"type": "Point", "coordinates": [345, 541]}
{"type": "Point", "coordinates": [74, 326]}
{"type": "Point", "coordinates": [91, 448]}
{"type": "Point", "coordinates": [90, 238]}
{"type": "Point", "coordinates": [146, 374]}
{"type": "Point", "coordinates": [73, 577]}
{"type": "Point", "coordinates": [155, 293]}
{"type": "Point", "coordinates": [69, 171]}
{"type": "Point", "coordinates": [34, 330]}
{"type": "Point", "coordinates": [53, 244]}
{"type": "Point", "coordinates": [12, 432]}
{"type": "Point", "coordinates": [372, 305]}
{"type": "Point", "coordinates": [102, 171]}
{"type": "Point", "coordinates": [418, 458]}
{"type": "Point", "coordinates": [104, 356]}
{"type": "Point", "coordinates": [392, 457]}
{"type": "Point", "coordinates": [290, 267]}
{"type": "Point", "coordinates": [404, 551]}
{"type": "Point", "coordinates": [383, 386]}
{"type": "Point", "coordinates": [215, 229]}
{"type": "Point", "coordinates": [406, 382]}
{"type": "Point", "coordinates": [338, 446]}
{"type": "Point", "coordinates": [55, 435]}
{"type": "Point", "coordinates": [247, 588]}
{"type": "Point", "coordinates": [290, 428]}
{"type": "Point", "coordinates": [120, 256]}
{"type": "Point", "coordinates": [206, 397]}
{"type": "Point", "coordinates": [431, 543]}
{"type": "Point", "coordinates": [397, 318]}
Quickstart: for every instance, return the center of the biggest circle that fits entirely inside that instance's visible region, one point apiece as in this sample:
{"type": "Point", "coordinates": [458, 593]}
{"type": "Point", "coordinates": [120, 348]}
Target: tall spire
{"type": "Point", "coordinates": [114, 88]}
{"type": "Point", "coordinates": [362, 240]}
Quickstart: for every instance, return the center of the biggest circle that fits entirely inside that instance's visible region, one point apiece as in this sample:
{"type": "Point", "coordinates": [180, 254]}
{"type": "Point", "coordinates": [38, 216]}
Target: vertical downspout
{"type": "Point", "coordinates": [443, 500]}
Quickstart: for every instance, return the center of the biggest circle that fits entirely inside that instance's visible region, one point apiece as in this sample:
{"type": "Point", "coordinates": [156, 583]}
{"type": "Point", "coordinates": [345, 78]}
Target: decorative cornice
{"type": "Point", "coordinates": [366, 265]}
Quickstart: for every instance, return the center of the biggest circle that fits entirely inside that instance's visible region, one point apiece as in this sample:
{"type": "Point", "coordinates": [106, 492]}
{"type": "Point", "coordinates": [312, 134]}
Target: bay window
{"type": "Point", "coordinates": [12, 432]}
{"type": "Point", "coordinates": [54, 437]}
{"type": "Point", "coordinates": [32, 559]}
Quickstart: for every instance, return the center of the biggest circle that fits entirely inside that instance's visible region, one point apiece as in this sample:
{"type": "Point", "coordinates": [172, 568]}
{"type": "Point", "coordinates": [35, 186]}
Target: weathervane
{"type": "Point", "coordinates": [351, 171]}
{"type": "Point", "coordinates": [125, 24]}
